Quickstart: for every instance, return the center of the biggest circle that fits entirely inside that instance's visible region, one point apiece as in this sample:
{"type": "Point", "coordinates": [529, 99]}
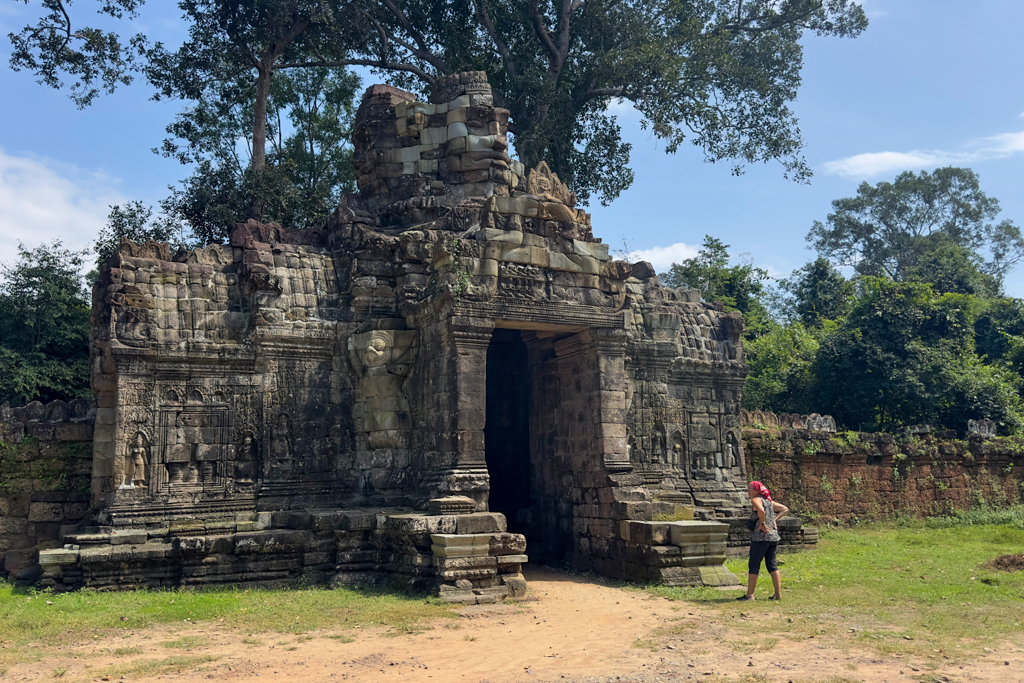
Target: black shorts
{"type": "Point", "coordinates": [762, 550]}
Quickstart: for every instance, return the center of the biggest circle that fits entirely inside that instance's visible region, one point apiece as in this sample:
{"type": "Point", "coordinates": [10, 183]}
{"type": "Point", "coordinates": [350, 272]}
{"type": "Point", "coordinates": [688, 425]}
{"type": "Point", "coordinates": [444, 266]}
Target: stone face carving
{"type": "Point", "coordinates": [983, 428]}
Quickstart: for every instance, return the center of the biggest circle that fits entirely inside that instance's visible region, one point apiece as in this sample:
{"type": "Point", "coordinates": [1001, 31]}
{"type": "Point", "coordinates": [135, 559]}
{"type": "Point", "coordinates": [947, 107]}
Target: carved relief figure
{"type": "Point", "coordinates": [374, 351]}
{"type": "Point", "coordinates": [660, 445]}
{"type": "Point", "coordinates": [732, 451]}
{"type": "Point", "coordinates": [678, 452]}
{"type": "Point", "coordinates": [245, 460]}
{"type": "Point", "coordinates": [135, 463]}
{"type": "Point", "coordinates": [191, 472]}
{"type": "Point", "coordinates": [544, 183]}
{"type": "Point", "coordinates": [281, 446]}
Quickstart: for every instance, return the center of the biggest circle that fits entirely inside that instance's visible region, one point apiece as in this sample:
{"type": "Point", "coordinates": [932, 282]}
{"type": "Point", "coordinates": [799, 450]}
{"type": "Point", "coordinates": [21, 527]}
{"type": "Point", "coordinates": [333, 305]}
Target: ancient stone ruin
{"type": "Point", "coordinates": [449, 375]}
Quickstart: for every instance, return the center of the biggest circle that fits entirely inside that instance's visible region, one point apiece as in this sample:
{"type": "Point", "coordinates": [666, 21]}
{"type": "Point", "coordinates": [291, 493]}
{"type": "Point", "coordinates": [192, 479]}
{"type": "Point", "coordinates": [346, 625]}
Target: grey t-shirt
{"type": "Point", "coordinates": [769, 521]}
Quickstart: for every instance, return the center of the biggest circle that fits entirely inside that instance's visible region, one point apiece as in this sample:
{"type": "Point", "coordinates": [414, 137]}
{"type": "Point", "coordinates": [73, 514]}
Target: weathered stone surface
{"type": "Point", "coordinates": [451, 354]}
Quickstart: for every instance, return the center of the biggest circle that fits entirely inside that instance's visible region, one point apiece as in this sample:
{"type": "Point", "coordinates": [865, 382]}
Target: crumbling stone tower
{"type": "Point", "coordinates": [453, 342]}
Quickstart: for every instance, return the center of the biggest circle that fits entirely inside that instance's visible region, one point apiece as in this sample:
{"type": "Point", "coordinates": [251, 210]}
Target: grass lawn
{"type": "Point", "coordinates": [31, 621]}
{"type": "Point", "coordinates": [916, 590]}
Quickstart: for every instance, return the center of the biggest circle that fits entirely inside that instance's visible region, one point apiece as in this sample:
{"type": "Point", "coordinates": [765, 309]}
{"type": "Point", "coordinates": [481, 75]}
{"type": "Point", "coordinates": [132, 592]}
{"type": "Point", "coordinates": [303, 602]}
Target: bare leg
{"type": "Point", "coordinates": [776, 583]}
{"type": "Point", "coordinates": [752, 584]}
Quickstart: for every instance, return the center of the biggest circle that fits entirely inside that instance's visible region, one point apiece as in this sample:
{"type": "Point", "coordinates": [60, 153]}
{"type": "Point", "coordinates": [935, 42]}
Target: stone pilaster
{"type": "Point", "coordinates": [459, 392]}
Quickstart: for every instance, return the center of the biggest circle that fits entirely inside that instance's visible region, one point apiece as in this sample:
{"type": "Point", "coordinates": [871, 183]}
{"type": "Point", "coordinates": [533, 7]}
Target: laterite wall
{"type": "Point", "coordinates": [45, 471]}
{"type": "Point", "coordinates": [855, 476]}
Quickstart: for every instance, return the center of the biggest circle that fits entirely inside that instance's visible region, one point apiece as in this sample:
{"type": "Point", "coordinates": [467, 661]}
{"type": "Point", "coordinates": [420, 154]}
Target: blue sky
{"type": "Point", "coordinates": [930, 83]}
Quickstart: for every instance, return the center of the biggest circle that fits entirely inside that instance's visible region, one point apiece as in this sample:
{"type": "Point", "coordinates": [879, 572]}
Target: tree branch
{"type": "Point", "coordinates": [375, 63]}
{"type": "Point", "coordinates": [541, 30]}
{"type": "Point", "coordinates": [747, 25]}
{"type": "Point", "coordinates": [563, 35]}
{"type": "Point", "coordinates": [485, 21]}
{"type": "Point", "coordinates": [423, 52]}
{"type": "Point", "coordinates": [605, 92]}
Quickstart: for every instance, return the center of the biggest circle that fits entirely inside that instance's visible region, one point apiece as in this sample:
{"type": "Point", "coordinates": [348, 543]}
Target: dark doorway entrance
{"type": "Point", "coordinates": [507, 429]}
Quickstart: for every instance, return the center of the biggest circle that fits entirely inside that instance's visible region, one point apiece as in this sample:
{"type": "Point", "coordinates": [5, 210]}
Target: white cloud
{"type": "Point", "coordinates": [663, 257]}
{"type": "Point", "coordinates": [622, 108]}
{"type": "Point", "coordinates": [874, 164]}
{"type": "Point", "coordinates": [42, 199]}
{"type": "Point", "coordinates": [869, 9]}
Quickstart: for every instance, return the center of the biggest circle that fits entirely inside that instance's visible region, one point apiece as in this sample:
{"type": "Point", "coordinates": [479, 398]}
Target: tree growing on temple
{"type": "Point", "coordinates": [308, 163]}
{"type": "Point", "coordinates": [739, 286]}
{"type": "Point", "coordinates": [717, 73]}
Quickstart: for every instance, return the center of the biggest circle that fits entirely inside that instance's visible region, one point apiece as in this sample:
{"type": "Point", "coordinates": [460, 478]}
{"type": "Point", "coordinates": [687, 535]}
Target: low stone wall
{"type": "Point", "coordinates": [855, 476]}
{"type": "Point", "coordinates": [45, 473]}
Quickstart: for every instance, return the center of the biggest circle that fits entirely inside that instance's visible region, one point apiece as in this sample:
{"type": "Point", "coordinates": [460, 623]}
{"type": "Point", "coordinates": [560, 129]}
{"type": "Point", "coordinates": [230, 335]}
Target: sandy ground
{"type": "Point", "coordinates": [568, 630]}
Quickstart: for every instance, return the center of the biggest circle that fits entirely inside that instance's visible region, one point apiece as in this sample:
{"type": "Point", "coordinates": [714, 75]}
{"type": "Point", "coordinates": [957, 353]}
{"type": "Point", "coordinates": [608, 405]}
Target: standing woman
{"type": "Point", "coordinates": [764, 538]}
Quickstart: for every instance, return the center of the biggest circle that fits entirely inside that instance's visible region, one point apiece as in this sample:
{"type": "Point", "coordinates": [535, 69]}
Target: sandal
{"type": "Point", "coordinates": [776, 599]}
{"type": "Point", "coordinates": [744, 597]}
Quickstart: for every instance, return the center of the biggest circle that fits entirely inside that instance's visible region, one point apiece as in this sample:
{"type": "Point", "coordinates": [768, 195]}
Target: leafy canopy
{"type": "Point", "coordinates": [309, 161]}
{"type": "Point", "coordinates": [134, 221]}
{"type": "Point", "coordinates": [44, 326]}
{"type": "Point", "coordinates": [816, 292]}
{"type": "Point", "coordinates": [720, 74]}
{"type": "Point", "coordinates": [906, 355]}
{"type": "Point", "coordinates": [889, 228]}
{"type": "Point", "coordinates": [58, 49]}
{"type": "Point", "coordinates": [739, 287]}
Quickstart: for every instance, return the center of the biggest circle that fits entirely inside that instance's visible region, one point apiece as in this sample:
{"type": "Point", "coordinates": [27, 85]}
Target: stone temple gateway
{"type": "Point", "coordinates": [448, 376]}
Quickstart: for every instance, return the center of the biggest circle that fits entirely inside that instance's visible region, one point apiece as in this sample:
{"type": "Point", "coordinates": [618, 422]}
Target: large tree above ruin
{"type": "Point", "coordinates": [719, 73]}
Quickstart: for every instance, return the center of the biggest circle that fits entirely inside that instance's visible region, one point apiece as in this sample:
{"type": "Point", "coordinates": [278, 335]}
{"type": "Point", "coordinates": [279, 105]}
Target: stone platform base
{"type": "Point", "coordinates": [462, 558]}
{"type": "Point", "coordinates": [686, 553]}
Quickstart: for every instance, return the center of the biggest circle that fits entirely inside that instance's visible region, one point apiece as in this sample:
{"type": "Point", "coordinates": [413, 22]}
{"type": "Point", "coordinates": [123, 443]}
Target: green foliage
{"type": "Point", "coordinates": [308, 164]}
{"type": "Point", "coordinates": [906, 356]}
{"type": "Point", "coordinates": [889, 229]}
{"type": "Point", "coordinates": [135, 222]}
{"type": "Point", "coordinates": [979, 516]}
{"type": "Point", "coordinates": [847, 440]}
{"type": "Point", "coordinates": [44, 326]}
{"type": "Point", "coordinates": [819, 292]}
{"type": "Point", "coordinates": [949, 267]}
{"type": "Point", "coordinates": [718, 74]}
{"type": "Point", "coordinates": [738, 287]}
{"type": "Point", "coordinates": [57, 49]}
{"type": "Point", "coordinates": [781, 370]}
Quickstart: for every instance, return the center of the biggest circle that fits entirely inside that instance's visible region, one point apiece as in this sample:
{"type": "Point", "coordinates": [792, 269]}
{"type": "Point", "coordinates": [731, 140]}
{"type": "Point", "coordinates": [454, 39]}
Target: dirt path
{"type": "Point", "coordinates": [569, 630]}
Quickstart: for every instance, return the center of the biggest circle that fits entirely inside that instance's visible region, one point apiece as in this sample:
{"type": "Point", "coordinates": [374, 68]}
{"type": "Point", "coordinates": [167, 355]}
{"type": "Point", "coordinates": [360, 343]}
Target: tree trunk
{"type": "Point", "coordinates": [259, 124]}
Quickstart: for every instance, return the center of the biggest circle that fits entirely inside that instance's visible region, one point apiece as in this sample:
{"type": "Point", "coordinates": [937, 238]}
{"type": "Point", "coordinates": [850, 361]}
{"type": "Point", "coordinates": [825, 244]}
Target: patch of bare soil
{"type": "Point", "coordinates": [570, 629]}
{"type": "Point", "coordinates": [1007, 563]}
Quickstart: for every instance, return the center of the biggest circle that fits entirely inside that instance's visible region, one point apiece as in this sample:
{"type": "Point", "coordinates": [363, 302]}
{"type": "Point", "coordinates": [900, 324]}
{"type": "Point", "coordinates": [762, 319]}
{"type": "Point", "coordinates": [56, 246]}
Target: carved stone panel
{"type": "Point", "coordinates": [195, 447]}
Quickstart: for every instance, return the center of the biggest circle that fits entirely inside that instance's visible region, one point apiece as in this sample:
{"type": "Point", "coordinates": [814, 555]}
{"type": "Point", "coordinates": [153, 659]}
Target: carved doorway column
{"type": "Point", "coordinates": [453, 430]}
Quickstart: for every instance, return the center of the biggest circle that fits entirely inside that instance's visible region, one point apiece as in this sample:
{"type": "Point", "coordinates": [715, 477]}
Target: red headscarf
{"type": "Point", "coordinates": [761, 489]}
